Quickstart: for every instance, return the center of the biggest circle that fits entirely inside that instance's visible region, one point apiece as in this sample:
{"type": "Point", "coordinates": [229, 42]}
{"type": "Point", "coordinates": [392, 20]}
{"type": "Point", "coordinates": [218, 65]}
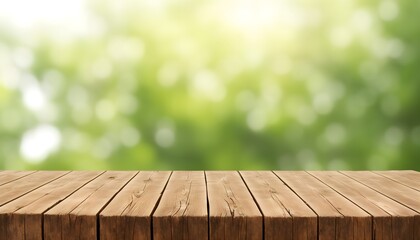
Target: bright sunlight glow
{"type": "Point", "coordinates": [253, 17]}
{"type": "Point", "coordinates": [29, 15]}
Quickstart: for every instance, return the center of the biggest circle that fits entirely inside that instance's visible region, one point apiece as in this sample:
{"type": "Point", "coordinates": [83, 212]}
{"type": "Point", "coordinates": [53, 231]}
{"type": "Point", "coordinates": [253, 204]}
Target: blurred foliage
{"type": "Point", "coordinates": [183, 84]}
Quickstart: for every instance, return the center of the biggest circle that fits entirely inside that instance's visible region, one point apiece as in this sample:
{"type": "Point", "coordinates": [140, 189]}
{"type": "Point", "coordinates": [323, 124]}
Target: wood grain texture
{"type": "Point", "coordinates": [128, 215]}
{"type": "Point", "coordinates": [76, 216]}
{"type": "Point", "coordinates": [21, 186]}
{"type": "Point", "coordinates": [232, 211]}
{"type": "Point", "coordinates": [22, 218]}
{"type": "Point", "coordinates": [409, 178]}
{"type": "Point", "coordinates": [182, 211]}
{"type": "Point", "coordinates": [397, 191]}
{"type": "Point", "coordinates": [391, 220]}
{"type": "Point", "coordinates": [392, 189]}
{"type": "Point", "coordinates": [337, 215]}
{"type": "Point", "coordinates": [286, 216]}
{"type": "Point", "coordinates": [209, 205]}
{"type": "Point", "coordinates": [9, 176]}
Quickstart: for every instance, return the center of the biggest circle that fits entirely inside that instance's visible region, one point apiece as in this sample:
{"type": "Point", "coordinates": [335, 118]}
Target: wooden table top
{"type": "Point", "coordinates": [209, 205]}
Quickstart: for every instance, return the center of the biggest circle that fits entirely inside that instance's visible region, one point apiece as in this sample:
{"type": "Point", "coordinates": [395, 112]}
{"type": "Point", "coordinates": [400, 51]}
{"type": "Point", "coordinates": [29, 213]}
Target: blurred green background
{"type": "Point", "coordinates": [209, 84]}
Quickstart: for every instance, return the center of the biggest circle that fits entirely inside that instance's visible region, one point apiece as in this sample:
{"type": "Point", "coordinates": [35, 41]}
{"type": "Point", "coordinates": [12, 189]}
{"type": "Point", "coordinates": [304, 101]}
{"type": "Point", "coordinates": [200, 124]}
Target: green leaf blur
{"type": "Point", "coordinates": [221, 84]}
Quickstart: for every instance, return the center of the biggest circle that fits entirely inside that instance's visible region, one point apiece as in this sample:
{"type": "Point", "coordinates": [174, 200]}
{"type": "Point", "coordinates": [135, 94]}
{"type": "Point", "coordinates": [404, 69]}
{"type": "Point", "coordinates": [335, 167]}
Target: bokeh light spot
{"type": "Point", "coordinates": [388, 10]}
{"type": "Point", "coordinates": [165, 136]}
{"type": "Point", "coordinates": [39, 142]}
{"type": "Point", "coordinates": [394, 136]}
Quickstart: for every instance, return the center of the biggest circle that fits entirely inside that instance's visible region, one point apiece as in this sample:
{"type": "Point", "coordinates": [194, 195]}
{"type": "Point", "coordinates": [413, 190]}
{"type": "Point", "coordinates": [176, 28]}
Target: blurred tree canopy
{"type": "Point", "coordinates": [183, 84]}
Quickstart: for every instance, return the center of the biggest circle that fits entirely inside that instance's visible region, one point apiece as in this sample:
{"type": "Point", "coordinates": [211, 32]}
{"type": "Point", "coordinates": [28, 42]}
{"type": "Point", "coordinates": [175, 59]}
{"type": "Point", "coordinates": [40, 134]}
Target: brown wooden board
{"type": "Point", "coordinates": [182, 211]}
{"type": "Point", "coordinates": [408, 178]}
{"type": "Point", "coordinates": [392, 189]}
{"type": "Point", "coordinates": [232, 211]}
{"type": "Point", "coordinates": [286, 216]}
{"type": "Point", "coordinates": [338, 217]}
{"type": "Point", "coordinates": [22, 218]}
{"type": "Point", "coordinates": [21, 186]}
{"type": "Point", "coordinates": [76, 216]}
{"type": "Point", "coordinates": [391, 220]}
{"type": "Point", "coordinates": [215, 205]}
{"type": "Point", "coordinates": [128, 215]}
{"type": "Point", "coordinates": [9, 176]}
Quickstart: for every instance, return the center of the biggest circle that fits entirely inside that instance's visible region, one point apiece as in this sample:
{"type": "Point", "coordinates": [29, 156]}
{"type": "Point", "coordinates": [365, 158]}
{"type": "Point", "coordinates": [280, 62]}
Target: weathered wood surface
{"type": "Point", "coordinates": [232, 211]}
{"type": "Point", "coordinates": [337, 216]}
{"type": "Point", "coordinates": [128, 215]}
{"type": "Point", "coordinates": [75, 216]}
{"type": "Point", "coordinates": [182, 211]}
{"type": "Point", "coordinates": [209, 205]}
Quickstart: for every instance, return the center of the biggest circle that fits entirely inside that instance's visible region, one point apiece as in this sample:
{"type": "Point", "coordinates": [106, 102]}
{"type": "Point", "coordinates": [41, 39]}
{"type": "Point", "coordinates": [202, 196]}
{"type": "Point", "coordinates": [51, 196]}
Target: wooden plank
{"type": "Point", "coordinates": [409, 178]}
{"type": "Point", "coordinates": [10, 175]}
{"type": "Point", "coordinates": [337, 215]}
{"type": "Point", "coordinates": [244, 205]}
{"type": "Point", "coordinates": [286, 216]}
{"type": "Point", "coordinates": [394, 190]}
{"type": "Point", "coordinates": [22, 218]}
{"type": "Point", "coordinates": [76, 216]}
{"type": "Point", "coordinates": [391, 220]}
{"type": "Point", "coordinates": [400, 193]}
{"type": "Point", "coordinates": [128, 215]}
{"type": "Point", "coordinates": [182, 211]}
{"type": "Point", "coordinates": [21, 186]}
{"type": "Point", "coordinates": [232, 211]}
